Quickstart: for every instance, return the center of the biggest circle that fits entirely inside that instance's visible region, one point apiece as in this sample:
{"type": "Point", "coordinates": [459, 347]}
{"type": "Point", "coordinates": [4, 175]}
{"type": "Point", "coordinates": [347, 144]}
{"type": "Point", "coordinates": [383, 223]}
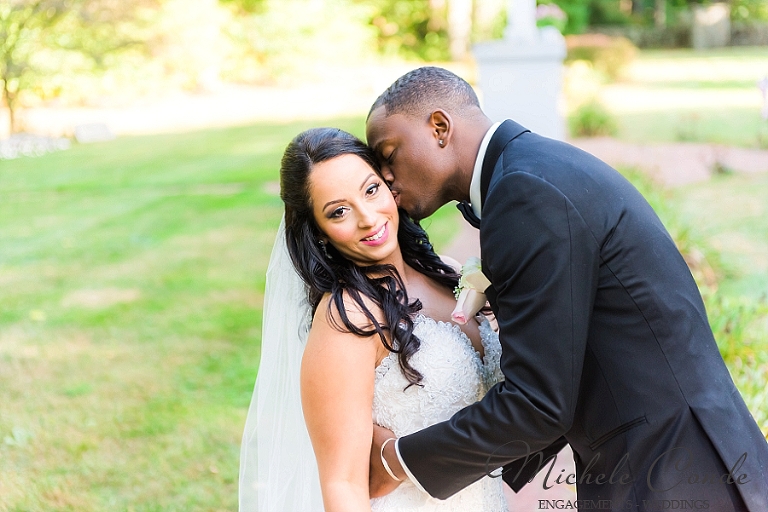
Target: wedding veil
{"type": "Point", "coordinates": [278, 470]}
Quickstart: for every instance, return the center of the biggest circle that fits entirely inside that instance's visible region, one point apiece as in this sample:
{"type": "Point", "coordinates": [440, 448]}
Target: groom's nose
{"type": "Point", "coordinates": [387, 175]}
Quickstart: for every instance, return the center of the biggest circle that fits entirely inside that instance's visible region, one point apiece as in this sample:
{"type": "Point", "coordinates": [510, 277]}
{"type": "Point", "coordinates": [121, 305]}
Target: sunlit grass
{"type": "Point", "coordinates": [131, 279]}
{"type": "Point", "coordinates": [730, 212]}
{"type": "Point", "coordinates": [683, 95]}
{"type": "Point", "coordinates": [742, 127]}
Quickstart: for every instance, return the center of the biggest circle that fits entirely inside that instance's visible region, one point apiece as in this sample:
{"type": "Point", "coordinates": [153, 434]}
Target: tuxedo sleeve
{"type": "Point", "coordinates": [543, 263]}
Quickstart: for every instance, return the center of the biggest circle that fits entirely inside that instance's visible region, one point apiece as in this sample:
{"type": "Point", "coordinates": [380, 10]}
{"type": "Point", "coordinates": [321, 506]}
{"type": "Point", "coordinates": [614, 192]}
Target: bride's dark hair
{"type": "Point", "coordinates": [336, 275]}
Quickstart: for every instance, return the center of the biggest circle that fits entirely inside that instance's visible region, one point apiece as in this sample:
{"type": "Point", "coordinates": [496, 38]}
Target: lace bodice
{"type": "Point", "coordinates": [454, 376]}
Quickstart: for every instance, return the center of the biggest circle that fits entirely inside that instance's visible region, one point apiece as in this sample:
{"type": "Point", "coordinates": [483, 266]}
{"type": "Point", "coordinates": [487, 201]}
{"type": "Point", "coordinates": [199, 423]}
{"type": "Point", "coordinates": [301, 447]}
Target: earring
{"type": "Point", "coordinates": [324, 248]}
{"type": "Point", "coordinates": [441, 142]}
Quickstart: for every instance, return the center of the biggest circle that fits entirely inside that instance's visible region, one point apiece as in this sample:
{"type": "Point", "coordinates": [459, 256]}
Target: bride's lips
{"type": "Point", "coordinates": [382, 235]}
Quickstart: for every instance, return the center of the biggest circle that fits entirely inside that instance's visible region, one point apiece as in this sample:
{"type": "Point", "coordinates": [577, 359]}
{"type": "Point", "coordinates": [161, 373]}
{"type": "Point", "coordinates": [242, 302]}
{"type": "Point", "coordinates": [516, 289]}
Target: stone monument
{"type": "Point", "coordinates": [711, 26]}
{"type": "Point", "coordinates": [521, 74]}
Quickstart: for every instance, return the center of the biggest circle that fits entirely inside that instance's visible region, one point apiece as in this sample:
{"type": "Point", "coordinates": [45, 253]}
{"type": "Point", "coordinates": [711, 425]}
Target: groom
{"type": "Point", "coordinates": [606, 344]}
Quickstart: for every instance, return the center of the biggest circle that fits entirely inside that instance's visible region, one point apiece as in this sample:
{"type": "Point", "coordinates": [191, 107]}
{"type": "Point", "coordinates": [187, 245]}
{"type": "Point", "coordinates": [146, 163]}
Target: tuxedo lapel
{"type": "Point", "coordinates": [505, 133]}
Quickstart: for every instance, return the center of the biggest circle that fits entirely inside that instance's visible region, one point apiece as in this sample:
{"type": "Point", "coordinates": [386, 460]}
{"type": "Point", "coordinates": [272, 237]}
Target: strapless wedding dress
{"type": "Point", "coordinates": [454, 376]}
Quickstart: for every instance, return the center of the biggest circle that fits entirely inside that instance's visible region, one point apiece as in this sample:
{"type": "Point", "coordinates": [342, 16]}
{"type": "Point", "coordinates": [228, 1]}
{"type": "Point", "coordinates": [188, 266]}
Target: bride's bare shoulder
{"type": "Point", "coordinates": [357, 312]}
{"type": "Point", "coordinates": [334, 352]}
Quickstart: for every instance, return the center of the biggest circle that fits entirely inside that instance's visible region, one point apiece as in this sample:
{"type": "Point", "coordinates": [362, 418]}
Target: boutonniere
{"type": "Point", "coordinates": [470, 296]}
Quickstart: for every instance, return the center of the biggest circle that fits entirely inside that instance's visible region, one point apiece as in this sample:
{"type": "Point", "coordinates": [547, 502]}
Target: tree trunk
{"type": "Point", "coordinates": [459, 27]}
{"type": "Point", "coordinates": [660, 13]}
{"type": "Point", "coordinates": [10, 102]}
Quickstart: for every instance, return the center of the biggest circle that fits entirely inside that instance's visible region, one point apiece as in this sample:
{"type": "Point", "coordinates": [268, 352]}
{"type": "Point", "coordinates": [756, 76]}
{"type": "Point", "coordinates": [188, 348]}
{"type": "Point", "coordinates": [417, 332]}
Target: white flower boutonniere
{"type": "Point", "coordinates": [469, 293]}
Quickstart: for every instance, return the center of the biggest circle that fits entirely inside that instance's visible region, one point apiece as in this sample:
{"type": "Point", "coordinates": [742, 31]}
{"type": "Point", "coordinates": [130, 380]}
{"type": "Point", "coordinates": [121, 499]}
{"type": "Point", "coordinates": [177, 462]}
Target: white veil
{"type": "Point", "coordinates": [278, 470]}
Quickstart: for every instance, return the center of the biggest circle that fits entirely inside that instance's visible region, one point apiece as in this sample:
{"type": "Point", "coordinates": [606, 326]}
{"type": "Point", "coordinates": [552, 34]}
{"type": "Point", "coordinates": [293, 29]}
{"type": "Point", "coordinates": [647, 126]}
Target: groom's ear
{"type": "Point", "coordinates": [441, 124]}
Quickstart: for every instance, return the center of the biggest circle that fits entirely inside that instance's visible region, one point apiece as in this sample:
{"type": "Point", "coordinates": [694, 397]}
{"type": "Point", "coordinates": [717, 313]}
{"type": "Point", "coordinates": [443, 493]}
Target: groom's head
{"type": "Point", "coordinates": [426, 129]}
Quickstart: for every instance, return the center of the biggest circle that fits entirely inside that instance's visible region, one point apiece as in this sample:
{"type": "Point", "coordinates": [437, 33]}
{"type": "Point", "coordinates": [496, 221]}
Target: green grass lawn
{"type": "Point", "coordinates": [131, 279]}
{"type": "Point", "coordinates": [741, 127]}
{"type": "Point", "coordinates": [664, 80]}
{"type": "Point", "coordinates": [731, 214]}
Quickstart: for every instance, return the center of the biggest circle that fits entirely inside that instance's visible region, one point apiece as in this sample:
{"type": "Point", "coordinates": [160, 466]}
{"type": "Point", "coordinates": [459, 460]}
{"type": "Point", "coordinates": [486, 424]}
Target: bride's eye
{"type": "Point", "coordinates": [338, 212]}
{"type": "Point", "coordinates": [372, 189]}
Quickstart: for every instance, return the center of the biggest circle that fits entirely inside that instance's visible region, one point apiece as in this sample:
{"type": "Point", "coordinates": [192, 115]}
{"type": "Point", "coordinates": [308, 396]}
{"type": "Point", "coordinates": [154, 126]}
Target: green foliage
{"type": "Point", "coordinates": [246, 6]}
{"type": "Point", "coordinates": [608, 55]}
{"type": "Point", "coordinates": [592, 120]}
{"type": "Point", "coordinates": [276, 38]}
{"type": "Point", "coordinates": [490, 21]}
{"type": "Point", "coordinates": [40, 39]}
{"type": "Point", "coordinates": [548, 14]}
{"type": "Point", "coordinates": [736, 322]}
{"type": "Point", "coordinates": [299, 38]}
{"type": "Point", "coordinates": [740, 326]}
{"type": "Point", "coordinates": [410, 29]}
{"type": "Point", "coordinates": [607, 12]}
{"type": "Point", "coordinates": [749, 10]}
{"type": "Point", "coordinates": [578, 15]}
{"type": "Point", "coordinates": [24, 28]}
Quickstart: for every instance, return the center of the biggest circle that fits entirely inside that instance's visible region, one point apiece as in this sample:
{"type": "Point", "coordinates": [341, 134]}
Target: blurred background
{"type": "Point", "coordinates": [140, 143]}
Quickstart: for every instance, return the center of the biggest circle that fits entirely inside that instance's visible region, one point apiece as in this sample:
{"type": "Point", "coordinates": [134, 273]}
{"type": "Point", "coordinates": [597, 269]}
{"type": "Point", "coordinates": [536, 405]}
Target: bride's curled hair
{"type": "Point", "coordinates": [336, 275]}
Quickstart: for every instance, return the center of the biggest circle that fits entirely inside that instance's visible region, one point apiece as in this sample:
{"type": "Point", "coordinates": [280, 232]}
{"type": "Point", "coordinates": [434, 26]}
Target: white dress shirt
{"type": "Point", "coordinates": [474, 185]}
{"type": "Point", "coordinates": [475, 201]}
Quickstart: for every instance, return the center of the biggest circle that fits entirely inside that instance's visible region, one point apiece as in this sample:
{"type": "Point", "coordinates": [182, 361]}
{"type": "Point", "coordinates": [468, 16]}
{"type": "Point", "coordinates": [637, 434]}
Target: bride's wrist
{"type": "Point", "coordinates": [391, 461]}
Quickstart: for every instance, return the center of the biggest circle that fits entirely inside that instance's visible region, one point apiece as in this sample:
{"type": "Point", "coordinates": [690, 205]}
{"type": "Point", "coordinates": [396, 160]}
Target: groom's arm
{"type": "Point", "coordinates": [543, 263]}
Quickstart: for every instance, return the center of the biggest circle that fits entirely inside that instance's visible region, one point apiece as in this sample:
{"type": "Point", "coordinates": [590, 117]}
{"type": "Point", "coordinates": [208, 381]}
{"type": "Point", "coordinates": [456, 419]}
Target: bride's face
{"type": "Point", "coordinates": [354, 209]}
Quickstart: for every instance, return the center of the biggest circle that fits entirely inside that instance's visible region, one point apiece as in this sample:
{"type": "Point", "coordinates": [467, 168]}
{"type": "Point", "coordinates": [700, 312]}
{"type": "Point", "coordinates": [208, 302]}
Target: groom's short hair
{"type": "Point", "coordinates": [423, 90]}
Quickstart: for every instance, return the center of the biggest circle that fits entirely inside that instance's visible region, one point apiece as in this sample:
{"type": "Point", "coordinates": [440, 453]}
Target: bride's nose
{"type": "Point", "coordinates": [366, 217]}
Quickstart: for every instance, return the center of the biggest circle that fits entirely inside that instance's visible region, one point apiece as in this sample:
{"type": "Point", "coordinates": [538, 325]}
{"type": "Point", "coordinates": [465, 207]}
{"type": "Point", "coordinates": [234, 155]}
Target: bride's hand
{"type": "Point", "coordinates": [380, 483]}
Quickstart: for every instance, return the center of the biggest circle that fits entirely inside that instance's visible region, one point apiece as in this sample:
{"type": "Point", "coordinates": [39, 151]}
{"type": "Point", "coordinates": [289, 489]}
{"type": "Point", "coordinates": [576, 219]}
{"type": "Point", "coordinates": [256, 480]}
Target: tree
{"type": "Point", "coordinates": [33, 31]}
{"type": "Point", "coordinates": [22, 30]}
{"type": "Point", "coordinates": [413, 28]}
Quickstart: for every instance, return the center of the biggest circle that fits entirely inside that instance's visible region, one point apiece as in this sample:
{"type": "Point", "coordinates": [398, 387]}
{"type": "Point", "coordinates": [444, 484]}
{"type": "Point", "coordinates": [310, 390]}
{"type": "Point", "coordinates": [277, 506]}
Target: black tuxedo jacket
{"type": "Point", "coordinates": [606, 345]}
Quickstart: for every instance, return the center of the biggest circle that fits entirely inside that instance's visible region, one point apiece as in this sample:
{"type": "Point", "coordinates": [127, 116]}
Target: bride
{"type": "Point", "coordinates": [356, 328]}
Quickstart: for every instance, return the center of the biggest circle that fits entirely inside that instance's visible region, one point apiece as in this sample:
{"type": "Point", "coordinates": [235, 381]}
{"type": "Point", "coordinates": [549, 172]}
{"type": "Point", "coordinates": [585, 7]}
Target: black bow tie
{"type": "Point", "coordinates": [466, 210]}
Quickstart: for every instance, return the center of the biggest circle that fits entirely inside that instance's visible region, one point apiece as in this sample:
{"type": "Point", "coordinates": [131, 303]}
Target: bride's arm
{"type": "Point", "coordinates": [337, 376]}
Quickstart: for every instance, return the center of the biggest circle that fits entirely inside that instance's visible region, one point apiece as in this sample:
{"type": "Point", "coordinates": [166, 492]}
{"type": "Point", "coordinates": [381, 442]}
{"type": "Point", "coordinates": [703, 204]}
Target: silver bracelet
{"type": "Point", "coordinates": [384, 461]}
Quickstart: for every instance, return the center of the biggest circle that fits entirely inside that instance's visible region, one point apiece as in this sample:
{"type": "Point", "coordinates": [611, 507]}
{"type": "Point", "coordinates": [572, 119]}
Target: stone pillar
{"type": "Point", "coordinates": [521, 20]}
{"type": "Point", "coordinates": [521, 75]}
{"type": "Point", "coordinates": [711, 26]}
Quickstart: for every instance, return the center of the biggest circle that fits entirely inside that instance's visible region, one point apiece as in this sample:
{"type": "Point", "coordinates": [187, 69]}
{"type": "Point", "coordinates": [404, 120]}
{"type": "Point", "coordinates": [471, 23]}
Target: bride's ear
{"type": "Point", "coordinates": [441, 126]}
